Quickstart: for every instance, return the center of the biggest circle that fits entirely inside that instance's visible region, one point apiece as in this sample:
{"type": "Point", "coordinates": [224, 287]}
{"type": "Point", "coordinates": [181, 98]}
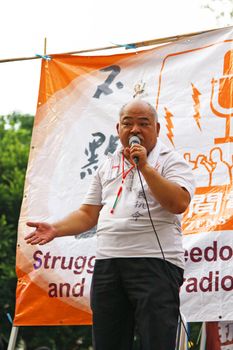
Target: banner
{"type": "Point", "coordinates": [190, 83]}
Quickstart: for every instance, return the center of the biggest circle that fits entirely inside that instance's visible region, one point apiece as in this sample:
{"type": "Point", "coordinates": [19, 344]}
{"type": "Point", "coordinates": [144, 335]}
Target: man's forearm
{"type": "Point", "coordinates": [171, 196]}
{"type": "Point", "coordinates": [78, 221]}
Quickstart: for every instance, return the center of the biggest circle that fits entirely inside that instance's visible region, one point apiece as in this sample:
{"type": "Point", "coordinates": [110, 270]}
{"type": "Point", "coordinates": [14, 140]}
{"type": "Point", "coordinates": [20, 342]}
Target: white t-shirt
{"type": "Point", "coordinates": [128, 231]}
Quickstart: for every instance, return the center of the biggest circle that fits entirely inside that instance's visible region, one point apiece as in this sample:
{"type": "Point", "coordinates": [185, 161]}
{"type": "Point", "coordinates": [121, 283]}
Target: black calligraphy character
{"type": "Point", "coordinates": [104, 88]}
{"type": "Point", "coordinates": [136, 215]}
{"type": "Point", "coordinates": [140, 205]}
{"type": "Point", "coordinates": [141, 194]}
{"type": "Point", "coordinates": [93, 157]}
{"type": "Point", "coordinates": [112, 144]}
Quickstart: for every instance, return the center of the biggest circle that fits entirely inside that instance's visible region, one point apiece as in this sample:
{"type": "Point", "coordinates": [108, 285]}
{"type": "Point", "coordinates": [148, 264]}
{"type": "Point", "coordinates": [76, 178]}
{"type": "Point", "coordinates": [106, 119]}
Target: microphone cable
{"type": "Point", "coordinates": [169, 274]}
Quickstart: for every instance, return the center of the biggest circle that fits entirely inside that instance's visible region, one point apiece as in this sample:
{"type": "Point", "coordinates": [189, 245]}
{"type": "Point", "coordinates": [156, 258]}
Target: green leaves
{"type": "Point", "coordinates": [15, 135]}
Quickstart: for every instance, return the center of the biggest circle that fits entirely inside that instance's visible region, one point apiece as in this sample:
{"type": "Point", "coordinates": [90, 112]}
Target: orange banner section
{"type": "Point", "coordinates": [210, 210]}
{"type": "Point", "coordinates": [31, 299]}
{"type": "Point", "coordinates": [53, 78]}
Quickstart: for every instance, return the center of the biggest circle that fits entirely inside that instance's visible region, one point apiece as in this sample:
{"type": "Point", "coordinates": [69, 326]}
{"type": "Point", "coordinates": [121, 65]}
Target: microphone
{"type": "Point", "coordinates": [134, 140]}
{"type": "Point", "coordinates": [224, 100]}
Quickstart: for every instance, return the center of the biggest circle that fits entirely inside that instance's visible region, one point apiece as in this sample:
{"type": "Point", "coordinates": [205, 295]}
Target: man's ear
{"type": "Point", "coordinates": [117, 127]}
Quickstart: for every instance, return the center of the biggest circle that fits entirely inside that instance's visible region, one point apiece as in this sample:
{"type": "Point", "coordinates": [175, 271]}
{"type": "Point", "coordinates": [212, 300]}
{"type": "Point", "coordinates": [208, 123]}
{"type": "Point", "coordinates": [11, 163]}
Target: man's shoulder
{"type": "Point", "coordinates": [169, 157]}
{"type": "Point", "coordinates": [110, 164]}
{"type": "Point", "coordinates": [167, 153]}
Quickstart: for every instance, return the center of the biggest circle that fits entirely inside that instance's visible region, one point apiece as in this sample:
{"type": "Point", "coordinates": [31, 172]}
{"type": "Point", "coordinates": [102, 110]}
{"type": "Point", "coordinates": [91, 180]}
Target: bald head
{"type": "Point", "coordinates": [137, 103]}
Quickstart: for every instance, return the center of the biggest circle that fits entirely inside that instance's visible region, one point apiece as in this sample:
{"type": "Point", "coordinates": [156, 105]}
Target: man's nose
{"type": "Point", "coordinates": [135, 129]}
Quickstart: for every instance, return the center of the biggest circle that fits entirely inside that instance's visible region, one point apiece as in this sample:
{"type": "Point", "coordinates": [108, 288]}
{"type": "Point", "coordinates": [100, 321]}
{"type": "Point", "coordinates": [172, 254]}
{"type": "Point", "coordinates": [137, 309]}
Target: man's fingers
{"type": "Point", "coordinates": [43, 241]}
{"type": "Point", "coordinates": [30, 238]}
{"type": "Point", "coordinates": [42, 234]}
{"type": "Point", "coordinates": [35, 240]}
{"type": "Point", "coordinates": [32, 224]}
{"type": "Point", "coordinates": [30, 235]}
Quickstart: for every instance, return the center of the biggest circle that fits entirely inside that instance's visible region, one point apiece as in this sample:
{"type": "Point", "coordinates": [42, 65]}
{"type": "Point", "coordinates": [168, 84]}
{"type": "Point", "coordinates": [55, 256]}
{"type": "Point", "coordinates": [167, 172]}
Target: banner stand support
{"type": "Point", "coordinates": [179, 345]}
{"type": "Point", "coordinates": [15, 330]}
{"type": "Point", "coordinates": [13, 338]}
{"type": "Point", "coordinates": [203, 336]}
{"type": "Point", "coordinates": [178, 333]}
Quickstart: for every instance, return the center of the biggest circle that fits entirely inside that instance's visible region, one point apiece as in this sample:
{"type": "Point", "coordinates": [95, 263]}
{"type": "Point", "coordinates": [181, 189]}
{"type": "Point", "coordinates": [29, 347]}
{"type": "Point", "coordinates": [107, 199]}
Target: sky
{"type": "Point", "coordinates": [74, 25]}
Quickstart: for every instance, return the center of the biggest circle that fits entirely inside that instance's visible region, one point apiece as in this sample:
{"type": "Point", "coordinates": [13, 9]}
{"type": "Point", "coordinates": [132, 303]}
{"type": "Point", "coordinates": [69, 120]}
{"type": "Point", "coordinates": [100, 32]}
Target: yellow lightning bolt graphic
{"type": "Point", "coordinates": [196, 100]}
{"type": "Point", "coordinates": [169, 125]}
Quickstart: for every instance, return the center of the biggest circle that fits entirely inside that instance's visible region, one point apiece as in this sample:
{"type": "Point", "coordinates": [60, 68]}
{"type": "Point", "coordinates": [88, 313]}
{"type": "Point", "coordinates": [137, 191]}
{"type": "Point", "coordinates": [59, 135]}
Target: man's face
{"type": "Point", "coordinates": [138, 119]}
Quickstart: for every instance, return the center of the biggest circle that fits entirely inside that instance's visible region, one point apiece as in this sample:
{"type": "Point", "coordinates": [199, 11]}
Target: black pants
{"type": "Point", "coordinates": [135, 292]}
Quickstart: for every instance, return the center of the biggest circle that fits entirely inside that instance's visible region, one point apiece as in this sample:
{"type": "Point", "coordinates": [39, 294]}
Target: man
{"type": "Point", "coordinates": [133, 285]}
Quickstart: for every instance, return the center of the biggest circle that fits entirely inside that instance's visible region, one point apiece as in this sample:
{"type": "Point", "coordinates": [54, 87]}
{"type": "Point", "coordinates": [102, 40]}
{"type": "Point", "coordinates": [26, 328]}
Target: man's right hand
{"type": "Point", "coordinates": [43, 233]}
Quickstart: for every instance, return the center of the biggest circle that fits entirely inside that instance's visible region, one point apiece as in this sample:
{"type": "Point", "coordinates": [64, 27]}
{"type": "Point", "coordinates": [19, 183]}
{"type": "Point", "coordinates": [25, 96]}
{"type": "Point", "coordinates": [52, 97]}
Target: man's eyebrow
{"type": "Point", "coordinates": [144, 118]}
{"type": "Point", "coordinates": [125, 119]}
{"type": "Point", "coordinates": [141, 118]}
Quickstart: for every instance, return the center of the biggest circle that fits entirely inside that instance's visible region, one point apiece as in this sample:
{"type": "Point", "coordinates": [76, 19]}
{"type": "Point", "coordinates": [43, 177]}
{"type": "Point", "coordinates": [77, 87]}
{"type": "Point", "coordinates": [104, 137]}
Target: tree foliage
{"type": "Point", "coordinates": [222, 9]}
{"type": "Point", "coordinates": [15, 134]}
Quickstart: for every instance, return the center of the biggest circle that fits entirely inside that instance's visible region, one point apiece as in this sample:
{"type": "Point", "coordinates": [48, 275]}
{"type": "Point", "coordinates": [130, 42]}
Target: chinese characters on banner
{"type": "Point", "coordinates": [190, 83]}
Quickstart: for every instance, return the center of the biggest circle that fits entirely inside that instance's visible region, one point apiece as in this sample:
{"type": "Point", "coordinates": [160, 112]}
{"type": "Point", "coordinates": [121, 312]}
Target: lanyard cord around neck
{"type": "Point", "coordinates": [123, 177]}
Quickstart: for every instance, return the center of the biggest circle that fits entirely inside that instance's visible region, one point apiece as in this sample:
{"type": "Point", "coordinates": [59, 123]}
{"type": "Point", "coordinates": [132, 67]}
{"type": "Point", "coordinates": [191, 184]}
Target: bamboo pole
{"type": "Point", "coordinates": [135, 45]}
{"type": "Point", "coordinates": [13, 338]}
{"type": "Point", "coordinates": [45, 46]}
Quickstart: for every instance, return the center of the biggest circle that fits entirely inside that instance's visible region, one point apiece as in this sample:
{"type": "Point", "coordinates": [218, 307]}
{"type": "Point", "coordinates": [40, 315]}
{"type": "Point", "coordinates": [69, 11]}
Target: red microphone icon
{"type": "Point", "coordinates": [225, 97]}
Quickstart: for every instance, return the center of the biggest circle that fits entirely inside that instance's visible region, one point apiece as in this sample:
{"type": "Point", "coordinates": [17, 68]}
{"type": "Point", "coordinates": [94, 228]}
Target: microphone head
{"type": "Point", "coordinates": [134, 140]}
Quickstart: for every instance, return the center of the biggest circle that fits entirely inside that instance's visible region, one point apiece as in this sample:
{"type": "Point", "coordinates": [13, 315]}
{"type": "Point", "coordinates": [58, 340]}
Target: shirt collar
{"type": "Point", "coordinates": [159, 148]}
